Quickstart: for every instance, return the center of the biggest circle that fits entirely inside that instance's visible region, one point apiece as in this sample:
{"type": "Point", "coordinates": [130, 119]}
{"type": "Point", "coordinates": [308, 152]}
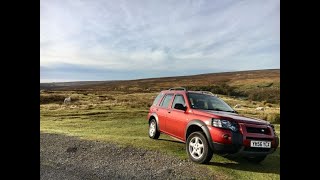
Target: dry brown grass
{"type": "Point", "coordinates": [105, 100]}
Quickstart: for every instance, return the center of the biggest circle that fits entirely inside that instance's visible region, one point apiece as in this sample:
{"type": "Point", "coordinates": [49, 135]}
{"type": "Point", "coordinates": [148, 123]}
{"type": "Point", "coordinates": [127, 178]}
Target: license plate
{"type": "Point", "coordinates": [261, 144]}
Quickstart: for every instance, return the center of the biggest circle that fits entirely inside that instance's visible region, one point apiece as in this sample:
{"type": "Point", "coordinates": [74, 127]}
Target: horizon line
{"type": "Point", "coordinates": [71, 81]}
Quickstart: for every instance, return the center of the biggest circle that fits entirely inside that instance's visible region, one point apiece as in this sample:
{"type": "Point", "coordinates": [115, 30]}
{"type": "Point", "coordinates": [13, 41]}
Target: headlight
{"type": "Point", "coordinates": [225, 124]}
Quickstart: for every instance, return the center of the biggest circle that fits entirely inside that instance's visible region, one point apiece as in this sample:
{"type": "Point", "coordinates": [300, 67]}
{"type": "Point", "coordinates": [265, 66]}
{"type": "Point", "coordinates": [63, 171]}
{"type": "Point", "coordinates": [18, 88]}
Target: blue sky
{"type": "Point", "coordinates": [130, 39]}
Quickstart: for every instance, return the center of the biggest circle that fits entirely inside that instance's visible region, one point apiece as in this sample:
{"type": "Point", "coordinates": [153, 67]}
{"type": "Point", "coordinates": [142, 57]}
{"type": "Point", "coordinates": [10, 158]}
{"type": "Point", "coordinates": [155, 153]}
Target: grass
{"type": "Point", "coordinates": [121, 118]}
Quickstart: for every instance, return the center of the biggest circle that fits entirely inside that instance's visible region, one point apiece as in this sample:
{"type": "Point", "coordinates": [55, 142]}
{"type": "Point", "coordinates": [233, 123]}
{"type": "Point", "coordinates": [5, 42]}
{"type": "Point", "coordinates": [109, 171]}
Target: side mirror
{"type": "Point", "coordinates": [180, 106]}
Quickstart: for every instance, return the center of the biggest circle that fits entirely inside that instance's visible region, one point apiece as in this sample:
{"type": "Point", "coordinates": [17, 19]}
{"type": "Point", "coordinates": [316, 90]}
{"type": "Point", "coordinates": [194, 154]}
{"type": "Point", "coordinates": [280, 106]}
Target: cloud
{"type": "Point", "coordinates": [153, 36]}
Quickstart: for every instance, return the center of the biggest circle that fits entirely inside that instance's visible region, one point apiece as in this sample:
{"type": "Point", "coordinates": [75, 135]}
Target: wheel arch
{"type": "Point", "coordinates": [197, 125]}
{"type": "Point", "coordinates": [154, 116]}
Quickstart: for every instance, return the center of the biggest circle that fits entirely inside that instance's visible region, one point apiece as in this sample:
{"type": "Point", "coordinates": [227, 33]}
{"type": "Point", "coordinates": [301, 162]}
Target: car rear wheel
{"type": "Point", "coordinates": [153, 130]}
{"type": "Point", "coordinates": [198, 148]}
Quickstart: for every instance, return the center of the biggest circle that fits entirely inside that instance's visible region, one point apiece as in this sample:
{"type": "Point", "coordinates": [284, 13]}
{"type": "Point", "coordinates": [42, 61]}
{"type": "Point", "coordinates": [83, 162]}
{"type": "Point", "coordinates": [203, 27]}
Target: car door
{"type": "Point", "coordinates": [162, 111]}
{"type": "Point", "coordinates": [177, 119]}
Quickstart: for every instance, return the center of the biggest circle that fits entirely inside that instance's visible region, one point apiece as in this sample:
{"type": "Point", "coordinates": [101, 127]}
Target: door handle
{"type": "Point", "coordinates": [169, 111]}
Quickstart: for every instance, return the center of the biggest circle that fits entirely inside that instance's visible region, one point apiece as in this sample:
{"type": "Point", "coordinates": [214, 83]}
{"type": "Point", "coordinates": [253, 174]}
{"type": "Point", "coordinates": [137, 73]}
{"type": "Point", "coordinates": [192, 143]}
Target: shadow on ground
{"type": "Point", "coordinates": [169, 140]}
{"type": "Point", "coordinates": [270, 165]}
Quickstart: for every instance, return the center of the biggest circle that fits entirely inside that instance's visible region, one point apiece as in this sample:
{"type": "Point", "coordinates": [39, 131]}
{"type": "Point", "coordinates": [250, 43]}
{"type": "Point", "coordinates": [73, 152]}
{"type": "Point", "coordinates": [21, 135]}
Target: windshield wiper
{"type": "Point", "coordinates": [229, 111]}
{"type": "Point", "coordinates": [216, 109]}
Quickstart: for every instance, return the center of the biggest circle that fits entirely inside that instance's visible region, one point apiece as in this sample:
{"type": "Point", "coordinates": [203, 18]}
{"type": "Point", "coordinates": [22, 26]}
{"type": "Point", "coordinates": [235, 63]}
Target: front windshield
{"type": "Point", "coordinates": [208, 102]}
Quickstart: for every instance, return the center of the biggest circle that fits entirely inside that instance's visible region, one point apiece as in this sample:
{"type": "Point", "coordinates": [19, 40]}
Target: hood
{"type": "Point", "coordinates": [234, 116]}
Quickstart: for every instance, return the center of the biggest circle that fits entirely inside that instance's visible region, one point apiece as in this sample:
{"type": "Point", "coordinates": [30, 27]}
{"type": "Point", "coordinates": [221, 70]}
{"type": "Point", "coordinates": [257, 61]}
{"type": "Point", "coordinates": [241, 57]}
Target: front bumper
{"type": "Point", "coordinates": [238, 143]}
{"type": "Point", "coordinates": [235, 150]}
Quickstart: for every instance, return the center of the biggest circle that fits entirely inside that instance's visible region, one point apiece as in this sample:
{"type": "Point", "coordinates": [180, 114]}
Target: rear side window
{"type": "Point", "coordinates": [157, 99]}
{"type": "Point", "coordinates": [166, 100]}
{"type": "Point", "coordinates": [178, 99]}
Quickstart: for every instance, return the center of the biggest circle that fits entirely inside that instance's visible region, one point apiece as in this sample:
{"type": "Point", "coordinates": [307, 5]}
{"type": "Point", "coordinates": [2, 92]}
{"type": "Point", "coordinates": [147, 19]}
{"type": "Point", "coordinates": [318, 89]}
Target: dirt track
{"type": "Point", "coordinates": [64, 157]}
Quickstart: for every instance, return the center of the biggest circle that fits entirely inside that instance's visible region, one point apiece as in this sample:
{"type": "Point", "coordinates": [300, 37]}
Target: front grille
{"type": "Point", "coordinates": [254, 149]}
{"type": "Point", "coordinates": [258, 130]}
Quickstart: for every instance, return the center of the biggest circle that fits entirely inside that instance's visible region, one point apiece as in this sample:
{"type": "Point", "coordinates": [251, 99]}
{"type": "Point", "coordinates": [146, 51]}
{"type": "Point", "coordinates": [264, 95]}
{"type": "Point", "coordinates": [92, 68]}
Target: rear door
{"type": "Point", "coordinates": [162, 111]}
{"type": "Point", "coordinates": [177, 119]}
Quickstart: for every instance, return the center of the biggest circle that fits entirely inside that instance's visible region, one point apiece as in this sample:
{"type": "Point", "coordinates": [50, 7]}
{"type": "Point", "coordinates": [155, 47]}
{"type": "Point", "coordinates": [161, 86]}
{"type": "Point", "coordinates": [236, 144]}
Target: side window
{"type": "Point", "coordinates": [157, 99]}
{"type": "Point", "coordinates": [166, 100]}
{"type": "Point", "coordinates": [178, 99]}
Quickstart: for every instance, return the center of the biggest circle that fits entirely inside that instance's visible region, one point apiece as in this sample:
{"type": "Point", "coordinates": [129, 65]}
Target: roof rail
{"type": "Point", "coordinates": [178, 88]}
{"type": "Point", "coordinates": [206, 92]}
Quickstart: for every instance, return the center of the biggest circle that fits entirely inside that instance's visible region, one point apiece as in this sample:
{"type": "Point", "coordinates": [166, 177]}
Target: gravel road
{"type": "Point", "coordinates": [65, 157]}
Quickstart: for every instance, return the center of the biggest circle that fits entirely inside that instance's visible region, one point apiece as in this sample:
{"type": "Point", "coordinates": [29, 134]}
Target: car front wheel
{"type": "Point", "coordinates": [198, 148]}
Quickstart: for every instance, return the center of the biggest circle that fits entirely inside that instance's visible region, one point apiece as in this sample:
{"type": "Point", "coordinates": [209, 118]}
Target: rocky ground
{"type": "Point", "coordinates": [65, 157]}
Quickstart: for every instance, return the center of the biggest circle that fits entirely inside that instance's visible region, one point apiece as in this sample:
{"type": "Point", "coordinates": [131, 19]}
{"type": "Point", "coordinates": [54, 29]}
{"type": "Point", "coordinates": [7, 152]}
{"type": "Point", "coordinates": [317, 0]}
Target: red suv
{"type": "Point", "coordinates": [209, 125]}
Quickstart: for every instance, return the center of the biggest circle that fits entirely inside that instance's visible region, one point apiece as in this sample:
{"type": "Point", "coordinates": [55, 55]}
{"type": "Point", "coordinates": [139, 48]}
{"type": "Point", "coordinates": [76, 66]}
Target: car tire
{"type": "Point", "coordinates": [153, 129]}
{"type": "Point", "coordinates": [256, 159]}
{"type": "Point", "coordinates": [198, 148]}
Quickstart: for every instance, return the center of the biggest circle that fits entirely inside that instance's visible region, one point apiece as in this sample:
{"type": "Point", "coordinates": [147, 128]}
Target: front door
{"type": "Point", "coordinates": [177, 119]}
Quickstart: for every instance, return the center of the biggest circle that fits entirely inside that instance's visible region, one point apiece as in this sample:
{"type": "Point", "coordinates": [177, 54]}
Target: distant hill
{"type": "Point", "coordinates": [237, 78]}
{"type": "Point", "coordinates": [255, 84]}
{"type": "Point", "coordinates": [68, 84]}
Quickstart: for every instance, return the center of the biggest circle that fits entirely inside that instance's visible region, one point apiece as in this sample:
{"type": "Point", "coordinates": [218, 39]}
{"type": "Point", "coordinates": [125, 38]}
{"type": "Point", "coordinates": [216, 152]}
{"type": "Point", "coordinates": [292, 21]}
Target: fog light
{"type": "Point", "coordinates": [226, 136]}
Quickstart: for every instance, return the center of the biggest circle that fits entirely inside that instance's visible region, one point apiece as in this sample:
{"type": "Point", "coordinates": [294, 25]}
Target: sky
{"type": "Point", "coordinates": [90, 40]}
